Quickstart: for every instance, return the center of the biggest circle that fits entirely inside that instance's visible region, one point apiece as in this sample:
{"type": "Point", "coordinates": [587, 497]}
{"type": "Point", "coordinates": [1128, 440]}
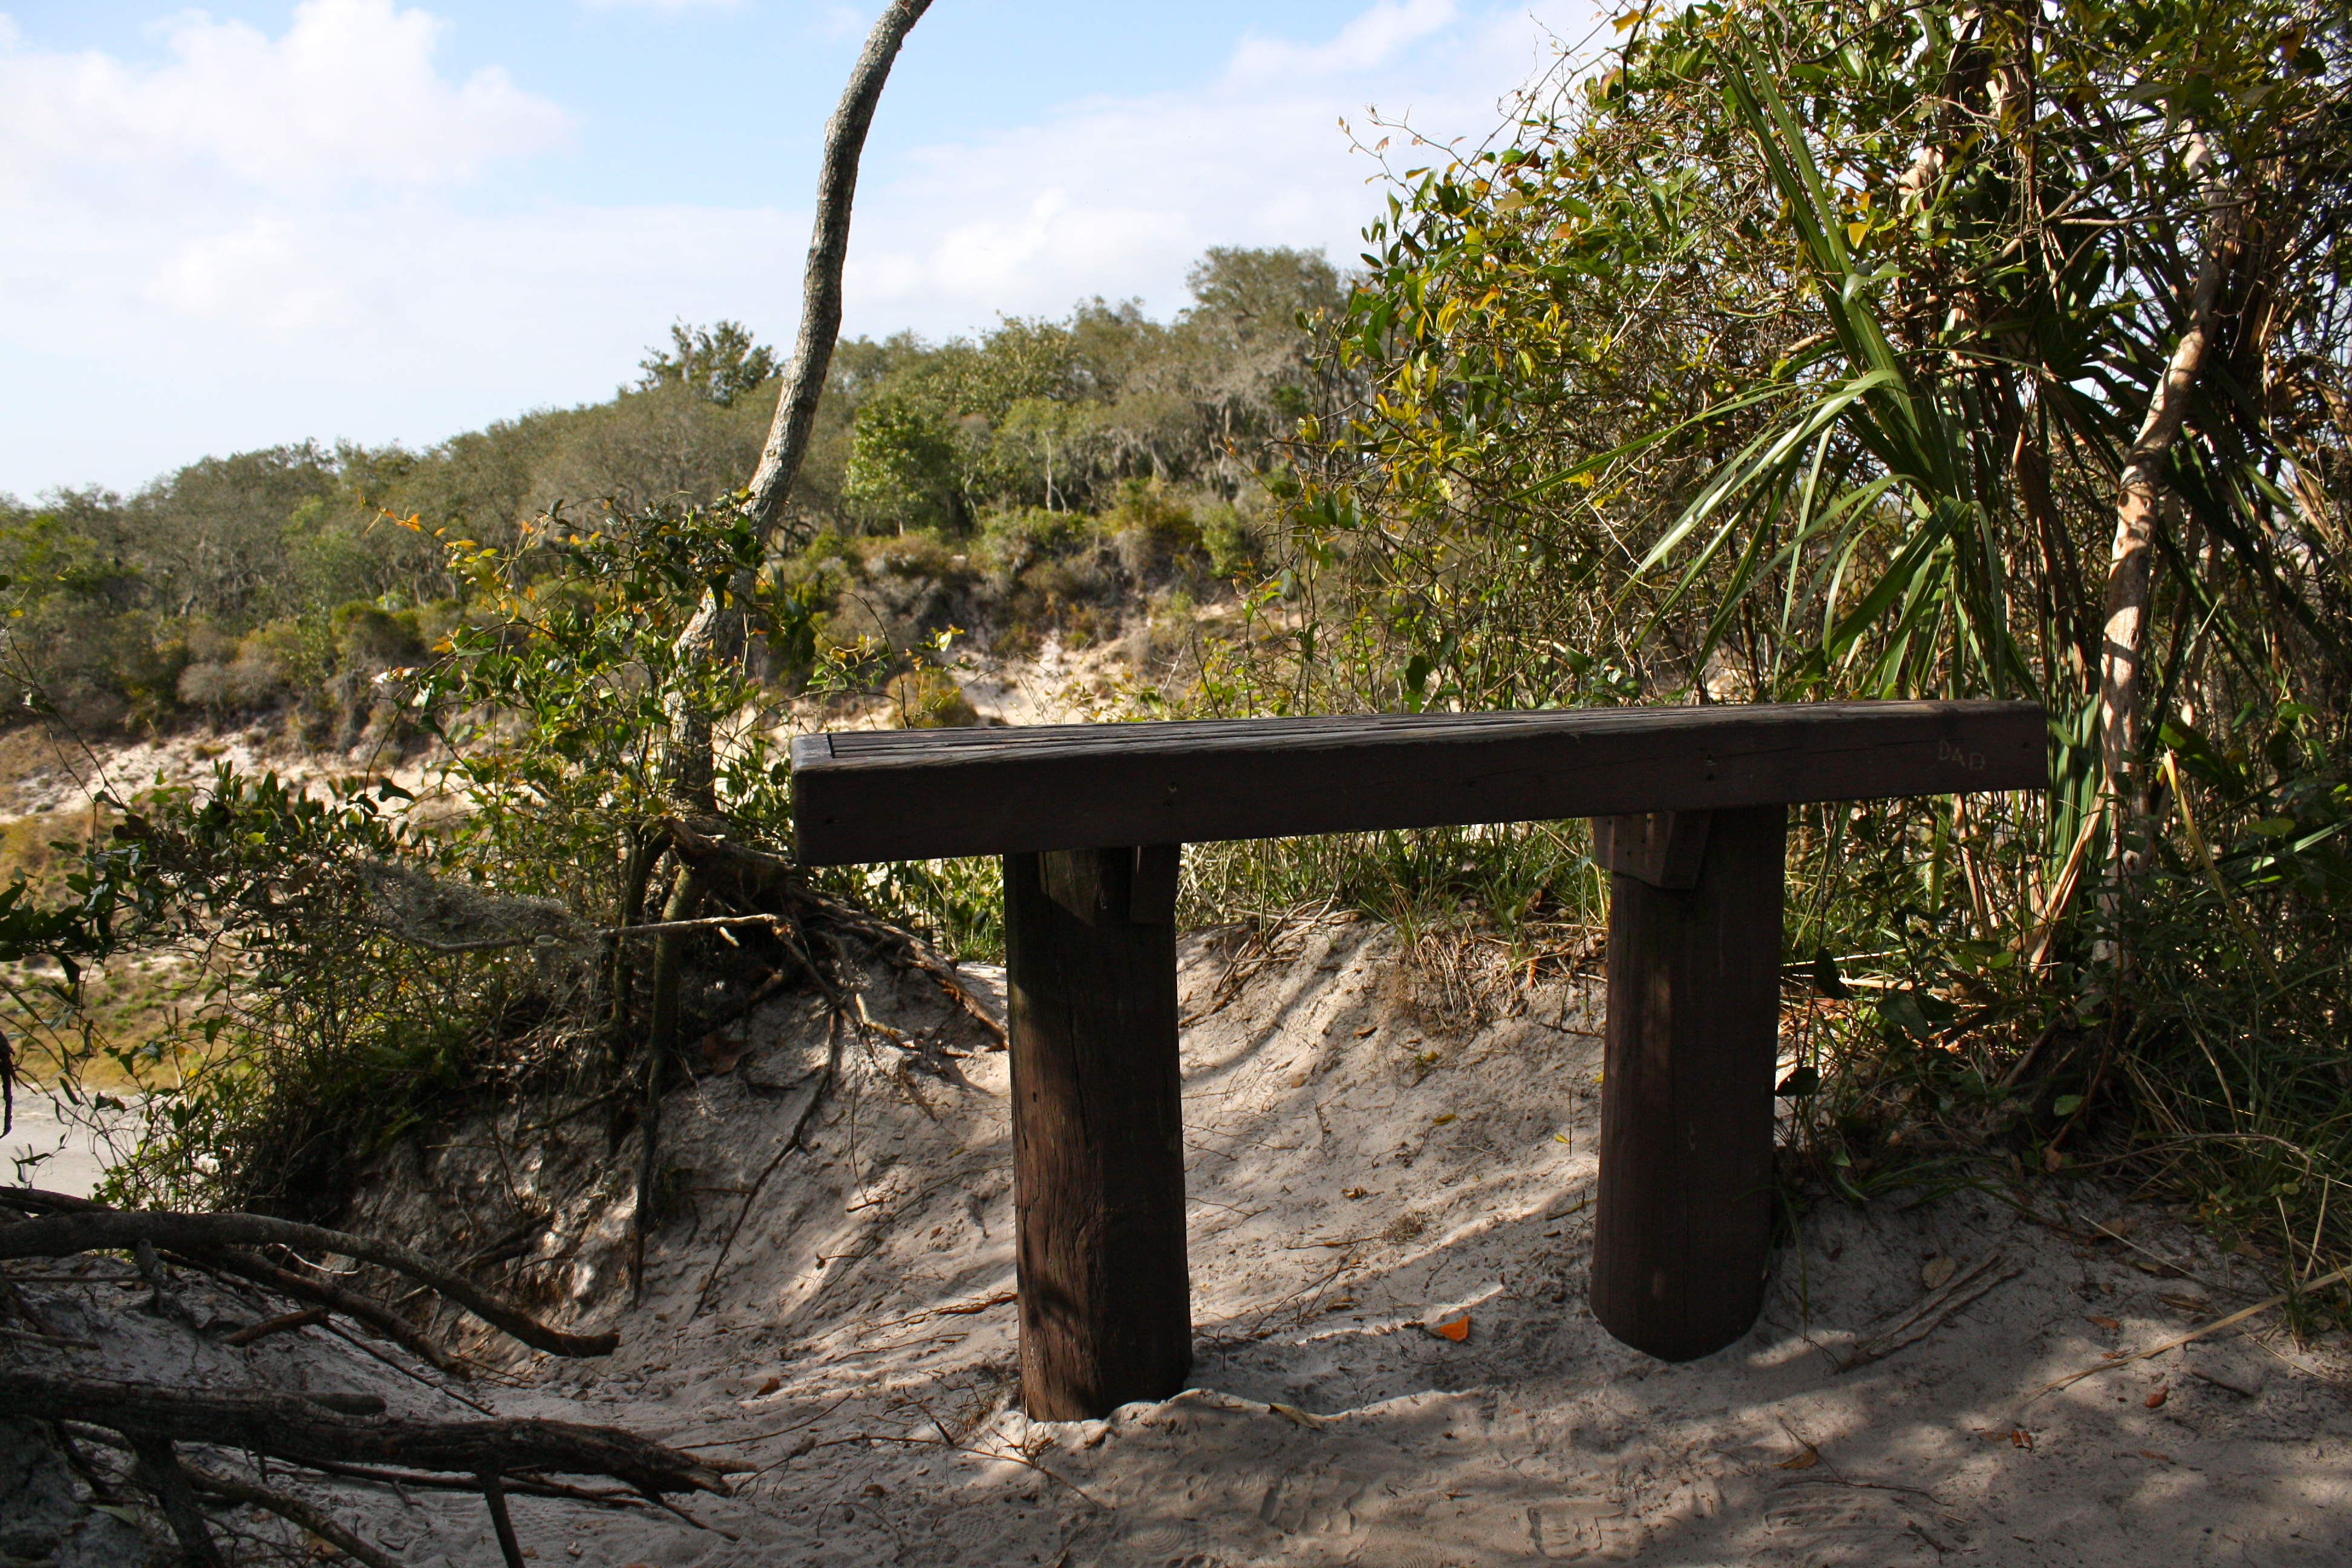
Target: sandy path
{"type": "Point", "coordinates": [1352, 1176]}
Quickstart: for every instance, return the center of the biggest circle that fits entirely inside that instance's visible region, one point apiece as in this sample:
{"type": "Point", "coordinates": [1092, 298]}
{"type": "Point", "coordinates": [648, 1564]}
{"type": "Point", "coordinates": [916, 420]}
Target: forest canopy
{"type": "Point", "coordinates": [235, 580]}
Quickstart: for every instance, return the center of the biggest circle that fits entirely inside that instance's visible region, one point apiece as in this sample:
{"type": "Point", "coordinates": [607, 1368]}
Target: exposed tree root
{"type": "Point", "coordinates": [224, 1235]}
{"type": "Point", "coordinates": [152, 1421]}
{"type": "Point", "coordinates": [792, 1141]}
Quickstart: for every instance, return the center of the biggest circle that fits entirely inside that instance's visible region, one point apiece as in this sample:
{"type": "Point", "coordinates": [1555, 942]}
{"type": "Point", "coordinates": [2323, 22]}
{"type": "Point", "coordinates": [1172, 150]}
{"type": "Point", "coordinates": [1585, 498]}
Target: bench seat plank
{"type": "Point", "coordinates": [908, 795]}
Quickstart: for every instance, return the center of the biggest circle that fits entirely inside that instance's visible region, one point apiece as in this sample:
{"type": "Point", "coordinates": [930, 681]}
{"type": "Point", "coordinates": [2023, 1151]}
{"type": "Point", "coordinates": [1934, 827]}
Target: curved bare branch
{"type": "Point", "coordinates": [60, 1235]}
{"type": "Point", "coordinates": [845, 141]}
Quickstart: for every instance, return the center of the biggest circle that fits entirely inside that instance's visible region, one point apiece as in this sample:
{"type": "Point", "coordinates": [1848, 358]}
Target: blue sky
{"type": "Point", "coordinates": [392, 221]}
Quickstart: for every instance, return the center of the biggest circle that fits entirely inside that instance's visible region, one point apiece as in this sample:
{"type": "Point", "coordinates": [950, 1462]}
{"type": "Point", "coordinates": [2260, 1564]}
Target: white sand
{"type": "Point", "coordinates": [57, 1153]}
{"type": "Point", "coordinates": [1333, 1211]}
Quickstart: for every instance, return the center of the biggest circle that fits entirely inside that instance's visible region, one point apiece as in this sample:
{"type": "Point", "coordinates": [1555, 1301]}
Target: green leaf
{"type": "Point", "coordinates": [2066, 1105]}
{"type": "Point", "coordinates": [1826, 981]}
{"type": "Point", "coordinates": [1902, 1010]}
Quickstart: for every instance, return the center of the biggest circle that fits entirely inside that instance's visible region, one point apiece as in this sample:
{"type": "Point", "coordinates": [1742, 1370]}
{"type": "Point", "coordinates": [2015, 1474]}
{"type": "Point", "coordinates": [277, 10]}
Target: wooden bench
{"type": "Point", "coordinates": [1690, 818]}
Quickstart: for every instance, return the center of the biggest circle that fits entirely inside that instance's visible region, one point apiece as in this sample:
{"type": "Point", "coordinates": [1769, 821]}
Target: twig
{"type": "Point", "coordinates": [335, 1298]}
{"type": "Point", "coordinates": [495, 1496]}
{"type": "Point", "coordinates": [242, 1275]}
{"type": "Point", "coordinates": [708, 922]}
{"type": "Point", "coordinates": [585, 1106]}
{"type": "Point", "coordinates": [14, 1302]}
{"type": "Point", "coordinates": [56, 1342]}
{"type": "Point", "coordinates": [536, 1486]}
{"type": "Point", "coordinates": [779, 1432]}
{"type": "Point", "coordinates": [652, 928]}
{"type": "Point", "coordinates": [60, 1235]}
{"type": "Point", "coordinates": [666, 1506]}
{"type": "Point", "coordinates": [159, 1470]}
{"type": "Point", "coordinates": [2034, 939]}
{"type": "Point", "coordinates": [792, 1141]}
{"type": "Point", "coordinates": [960, 1310]}
{"type": "Point", "coordinates": [1931, 1313]}
{"type": "Point", "coordinates": [410, 1372]}
{"type": "Point", "coordinates": [291, 1427]}
{"type": "Point", "coordinates": [2213, 872]}
{"type": "Point", "coordinates": [163, 1302]}
{"type": "Point", "coordinates": [262, 1330]}
{"type": "Point", "coordinates": [661, 1042]}
{"type": "Point", "coordinates": [776, 981]}
{"type": "Point", "coordinates": [917, 952]}
{"type": "Point", "coordinates": [293, 1509]}
{"type": "Point", "coordinates": [796, 942]}
{"type": "Point", "coordinates": [2216, 1326]}
{"type": "Point", "coordinates": [1015, 1454]}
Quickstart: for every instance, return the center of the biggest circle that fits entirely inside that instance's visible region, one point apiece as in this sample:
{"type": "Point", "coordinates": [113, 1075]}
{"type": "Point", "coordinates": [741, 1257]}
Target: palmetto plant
{"type": "Point", "coordinates": [1808, 351]}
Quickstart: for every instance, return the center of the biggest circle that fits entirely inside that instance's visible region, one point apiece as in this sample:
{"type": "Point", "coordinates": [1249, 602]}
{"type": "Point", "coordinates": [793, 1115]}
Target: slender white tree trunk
{"type": "Point", "coordinates": [2130, 563]}
{"type": "Point", "coordinates": [717, 629]}
{"type": "Point", "coordinates": [2137, 487]}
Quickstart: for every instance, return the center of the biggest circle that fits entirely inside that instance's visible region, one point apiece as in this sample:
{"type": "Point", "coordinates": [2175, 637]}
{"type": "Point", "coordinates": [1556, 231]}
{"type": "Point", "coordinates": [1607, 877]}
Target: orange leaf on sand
{"type": "Point", "coordinates": [2158, 1398]}
{"type": "Point", "coordinates": [2152, 1454]}
{"type": "Point", "coordinates": [2103, 1322]}
{"type": "Point", "coordinates": [1454, 1329]}
{"type": "Point", "coordinates": [771, 1385]}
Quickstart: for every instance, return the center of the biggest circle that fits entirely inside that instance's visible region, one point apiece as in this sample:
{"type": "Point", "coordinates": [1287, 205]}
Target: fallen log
{"type": "Point", "coordinates": [293, 1427]}
{"type": "Point", "coordinates": [59, 1235]}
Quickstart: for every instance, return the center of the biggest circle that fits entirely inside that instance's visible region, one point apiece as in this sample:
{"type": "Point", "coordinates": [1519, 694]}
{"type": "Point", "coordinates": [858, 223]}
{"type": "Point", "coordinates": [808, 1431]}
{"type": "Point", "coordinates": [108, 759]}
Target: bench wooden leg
{"type": "Point", "coordinates": [1097, 1129]}
{"type": "Point", "coordinates": [1683, 1226]}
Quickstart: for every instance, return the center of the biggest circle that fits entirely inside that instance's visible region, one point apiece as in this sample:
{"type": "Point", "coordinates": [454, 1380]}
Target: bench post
{"type": "Point", "coordinates": [1683, 1225]}
{"type": "Point", "coordinates": [1097, 1129]}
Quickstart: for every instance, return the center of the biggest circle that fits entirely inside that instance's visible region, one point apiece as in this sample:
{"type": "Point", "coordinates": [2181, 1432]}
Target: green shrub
{"type": "Point", "coordinates": [148, 674]}
{"type": "Point", "coordinates": [295, 651]}
{"type": "Point", "coordinates": [1154, 534]}
{"type": "Point", "coordinates": [1012, 540]}
{"type": "Point", "coordinates": [368, 636]}
{"type": "Point", "coordinates": [929, 699]}
{"type": "Point", "coordinates": [1230, 544]}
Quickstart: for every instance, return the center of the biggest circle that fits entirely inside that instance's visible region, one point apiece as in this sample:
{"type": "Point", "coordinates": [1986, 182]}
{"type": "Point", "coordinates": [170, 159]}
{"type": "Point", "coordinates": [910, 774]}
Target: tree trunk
{"type": "Point", "coordinates": [2123, 643]}
{"type": "Point", "coordinates": [845, 141]}
{"type": "Point", "coordinates": [717, 628]}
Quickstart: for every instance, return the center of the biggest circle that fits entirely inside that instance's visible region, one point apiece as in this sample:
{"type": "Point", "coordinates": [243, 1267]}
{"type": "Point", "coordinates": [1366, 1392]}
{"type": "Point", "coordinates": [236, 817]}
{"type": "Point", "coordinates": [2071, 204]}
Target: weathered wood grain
{"type": "Point", "coordinates": [1664, 848]}
{"type": "Point", "coordinates": [913, 794]}
{"type": "Point", "coordinates": [1682, 1220]}
{"type": "Point", "coordinates": [1098, 1131]}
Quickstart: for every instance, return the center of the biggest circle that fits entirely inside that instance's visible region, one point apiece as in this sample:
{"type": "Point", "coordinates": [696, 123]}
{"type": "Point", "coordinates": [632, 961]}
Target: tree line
{"type": "Point", "coordinates": [238, 584]}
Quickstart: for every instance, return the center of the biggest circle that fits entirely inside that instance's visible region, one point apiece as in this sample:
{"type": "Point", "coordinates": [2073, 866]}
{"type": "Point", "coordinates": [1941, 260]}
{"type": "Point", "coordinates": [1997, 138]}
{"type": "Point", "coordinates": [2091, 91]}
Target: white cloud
{"type": "Point", "coordinates": [1118, 196]}
{"type": "Point", "coordinates": [1370, 40]}
{"type": "Point", "coordinates": [349, 92]}
{"type": "Point", "coordinates": [663, 5]}
{"type": "Point", "coordinates": [261, 234]}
